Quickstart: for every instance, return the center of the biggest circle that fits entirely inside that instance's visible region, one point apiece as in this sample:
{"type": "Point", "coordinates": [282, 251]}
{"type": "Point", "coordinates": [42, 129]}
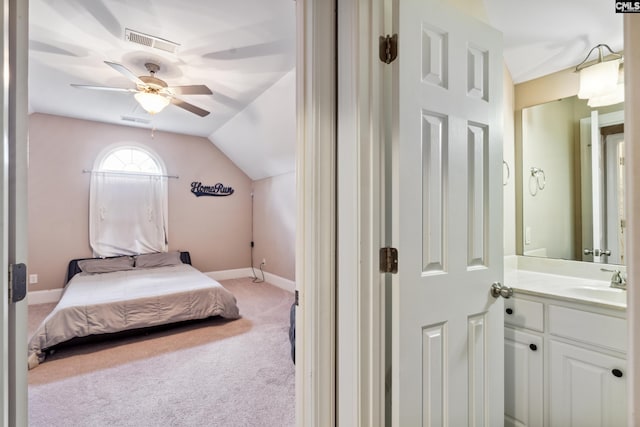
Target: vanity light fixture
{"type": "Point", "coordinates": [600, 82]}
{"type": "Point", "coordinates": [614, 97]}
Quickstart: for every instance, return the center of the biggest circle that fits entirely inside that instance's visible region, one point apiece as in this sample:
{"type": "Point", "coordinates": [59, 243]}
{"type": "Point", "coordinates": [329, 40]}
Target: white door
{"type": "Point", "coordinates": [592, 182]}
{"type": "Point", "coordinates": [607, 189]}
{"type": "Point", "coordinates": [614, 207]}
{"type": "Point", "coordinates": [447, 330]}
{"type": "Point", "coordinates": [13, 214]}
{"type": "Point", "coordinates": [597, 189]}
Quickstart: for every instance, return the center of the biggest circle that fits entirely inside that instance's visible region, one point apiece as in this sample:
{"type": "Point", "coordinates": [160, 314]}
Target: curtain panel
{"type": "Point", "coordinates": [127, 214]}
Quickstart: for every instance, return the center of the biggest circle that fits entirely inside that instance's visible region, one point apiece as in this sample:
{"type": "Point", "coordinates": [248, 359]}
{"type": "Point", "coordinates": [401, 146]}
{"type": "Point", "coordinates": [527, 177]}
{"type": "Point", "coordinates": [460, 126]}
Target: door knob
{"type": "Point", "coordinates": [500, 290]}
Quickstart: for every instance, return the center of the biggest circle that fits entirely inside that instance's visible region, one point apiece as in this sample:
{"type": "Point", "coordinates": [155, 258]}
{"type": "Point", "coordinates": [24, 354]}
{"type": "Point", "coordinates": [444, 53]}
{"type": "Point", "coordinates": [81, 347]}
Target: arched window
{"type": "Point", "coordinates": [130, 159]}
{"type": "Point", "coordinates": [128, 202]}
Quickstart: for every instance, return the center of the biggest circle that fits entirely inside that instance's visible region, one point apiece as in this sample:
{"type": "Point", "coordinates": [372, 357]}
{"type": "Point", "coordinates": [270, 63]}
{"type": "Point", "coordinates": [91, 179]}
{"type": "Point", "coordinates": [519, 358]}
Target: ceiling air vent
{"type": "Point", "coordinates": [150, 41]}
{"type": "Point", "coordinates": [135, 119]}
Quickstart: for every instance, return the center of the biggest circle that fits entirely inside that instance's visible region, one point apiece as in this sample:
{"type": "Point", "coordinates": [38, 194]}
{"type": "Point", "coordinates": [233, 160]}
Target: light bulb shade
{"type": "Point", "coordinates": [598, 79]}
{"type": "Point", "coordinates": [614, 97]}
{"type": "Point", "coordinates": [152, 102]}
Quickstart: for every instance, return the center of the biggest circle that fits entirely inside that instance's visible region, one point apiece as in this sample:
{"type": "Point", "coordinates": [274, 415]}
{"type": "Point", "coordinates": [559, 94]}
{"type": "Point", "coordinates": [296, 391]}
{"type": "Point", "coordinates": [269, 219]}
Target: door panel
{"type": "Point", "coordinates": [447, 331]}
{"type": "Point", "coordinates": [433, 176]}
{"type": "Point", "coordinates": [477, 188]}
{"type": "Point", "coordinates": [433, 367]}
{"type": "Point", "coordinates": [583, 390]}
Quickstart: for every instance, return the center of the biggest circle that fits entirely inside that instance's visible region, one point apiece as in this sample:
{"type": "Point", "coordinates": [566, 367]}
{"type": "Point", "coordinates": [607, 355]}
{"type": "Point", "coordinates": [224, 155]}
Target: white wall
{"type": "Point", "coordinates": [261, 139]}
{"type": "Point", "coordinates": [274, 224]}
{"type": "Point", "coordinates": [508, 155]}
{"type": "Point", "coordinates": [216, 230]}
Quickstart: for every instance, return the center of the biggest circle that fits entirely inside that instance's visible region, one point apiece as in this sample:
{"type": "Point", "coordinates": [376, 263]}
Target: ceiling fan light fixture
{"type": "Point", "coordinates": [152, 102]}
{"type": "Point", "coordinates": [599, 82]}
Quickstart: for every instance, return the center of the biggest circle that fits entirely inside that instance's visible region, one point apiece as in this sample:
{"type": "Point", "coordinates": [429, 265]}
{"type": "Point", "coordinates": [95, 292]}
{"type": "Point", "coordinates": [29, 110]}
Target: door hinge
{"type": "Point", "coordinates": [297, 297]}
{"type": "Point", "coordinates": [388, 260]}
{"type": "Point", "coordinates": [621, 161]}
{"type": "Point", "coordinates": [17, 282]}
{"type": "Point", "coordinates": [388, 48]}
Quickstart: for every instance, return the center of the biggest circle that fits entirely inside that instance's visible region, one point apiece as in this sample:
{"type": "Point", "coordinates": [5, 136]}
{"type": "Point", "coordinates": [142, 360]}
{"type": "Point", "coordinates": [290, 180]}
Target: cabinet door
{"type": "Point", "coordinates": [587, 388]}
{"type": "Point", "coordinates": [523, 379]}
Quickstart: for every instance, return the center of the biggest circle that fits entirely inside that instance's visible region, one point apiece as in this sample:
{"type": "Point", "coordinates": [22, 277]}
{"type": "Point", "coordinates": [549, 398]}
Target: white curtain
{"type": "Point", "coordinates": [127, 214]}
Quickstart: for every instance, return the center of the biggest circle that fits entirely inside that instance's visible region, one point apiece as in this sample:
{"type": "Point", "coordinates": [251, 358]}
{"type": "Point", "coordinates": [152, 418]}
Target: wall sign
{"type": "Point", "coordinates": [216, 190]}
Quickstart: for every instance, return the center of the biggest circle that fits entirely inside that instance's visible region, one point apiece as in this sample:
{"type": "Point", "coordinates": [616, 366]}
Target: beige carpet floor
{"type": "Point", "coordinates": [212, 373]}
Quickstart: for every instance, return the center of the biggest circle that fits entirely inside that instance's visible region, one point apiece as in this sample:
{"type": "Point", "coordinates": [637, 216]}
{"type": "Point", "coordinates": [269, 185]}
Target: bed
{"type": "Point", "coordinates": [107, 295]}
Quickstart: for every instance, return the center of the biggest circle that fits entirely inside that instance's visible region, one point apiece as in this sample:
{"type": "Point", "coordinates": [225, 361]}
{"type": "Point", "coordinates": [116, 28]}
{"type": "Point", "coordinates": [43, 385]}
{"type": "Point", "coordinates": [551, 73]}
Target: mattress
{"type": "Point", "coordinates": [100, 303]}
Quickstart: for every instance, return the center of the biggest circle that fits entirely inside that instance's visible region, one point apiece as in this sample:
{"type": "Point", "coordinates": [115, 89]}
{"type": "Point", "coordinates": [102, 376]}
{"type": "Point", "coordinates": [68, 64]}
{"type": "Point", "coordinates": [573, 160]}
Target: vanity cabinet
{"type": "Point", "coordinates": [564, 363]}
{"type": "Point", "coordinates": [586, 388]}
{"type": "Point", "coordinates": [523, 385]}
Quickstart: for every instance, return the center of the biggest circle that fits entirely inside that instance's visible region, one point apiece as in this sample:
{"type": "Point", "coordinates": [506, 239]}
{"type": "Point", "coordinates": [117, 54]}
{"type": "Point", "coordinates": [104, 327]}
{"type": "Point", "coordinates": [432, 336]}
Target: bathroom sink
{"type": "Point", "coordinates": [610, 295]}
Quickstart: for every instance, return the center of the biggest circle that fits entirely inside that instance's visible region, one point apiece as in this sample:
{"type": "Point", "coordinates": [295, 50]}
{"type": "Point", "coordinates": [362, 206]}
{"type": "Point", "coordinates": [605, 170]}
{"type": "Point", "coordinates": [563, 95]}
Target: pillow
{"type": "Point", "coordinates": [159, 259]}
{"type": "Point", "coordinates": [106, 265]}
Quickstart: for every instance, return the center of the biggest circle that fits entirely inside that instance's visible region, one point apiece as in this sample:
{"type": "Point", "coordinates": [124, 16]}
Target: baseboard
{"type": "Point", "coordinates": [280, 282]}
{"type": "Point", "coordinates": [237, 273]}
{"type": "Point", "coordinates": [44, 297]}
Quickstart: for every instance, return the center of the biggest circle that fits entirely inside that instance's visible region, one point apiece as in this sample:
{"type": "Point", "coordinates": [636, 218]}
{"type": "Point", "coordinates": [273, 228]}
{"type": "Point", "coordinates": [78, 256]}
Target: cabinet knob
{"type": "Point", "coordinates": [617, 373]}
{"type": "Point", "coordinates": [534, 347]}
{"type": "Point", "coordinates": [509, 310]}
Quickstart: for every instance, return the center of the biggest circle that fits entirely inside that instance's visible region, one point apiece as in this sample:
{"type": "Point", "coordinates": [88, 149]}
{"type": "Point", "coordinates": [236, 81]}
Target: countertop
{"type": "Point", "coordinates": [597, 292]}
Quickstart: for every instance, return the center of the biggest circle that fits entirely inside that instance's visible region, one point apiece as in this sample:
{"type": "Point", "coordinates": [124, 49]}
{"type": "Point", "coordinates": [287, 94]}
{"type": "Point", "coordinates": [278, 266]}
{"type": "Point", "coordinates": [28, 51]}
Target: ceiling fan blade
{"type": "Point", "coordinates": [190, 90]}
{"type": "Point", "coordinates": [189, 107]}
{"type": "Point", "coordinates": [103, 15]}
{"type": "Point", "coordinates": [125, 72]}
{"type": "Point", "coordinates": [105, 88]}
{"type": "Point", "coordinates": [35, 45]}
{"type": "Point", "coordinates": [256, 50]}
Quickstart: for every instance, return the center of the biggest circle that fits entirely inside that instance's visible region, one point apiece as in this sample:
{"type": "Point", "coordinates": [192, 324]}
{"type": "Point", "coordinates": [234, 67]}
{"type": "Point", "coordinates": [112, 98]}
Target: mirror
{"type": "Point", "coordinates": [572, 183]}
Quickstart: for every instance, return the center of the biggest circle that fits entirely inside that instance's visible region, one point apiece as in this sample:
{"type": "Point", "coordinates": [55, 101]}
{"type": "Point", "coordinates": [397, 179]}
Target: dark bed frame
{"type": "Point", "coordinates": [74, 269]}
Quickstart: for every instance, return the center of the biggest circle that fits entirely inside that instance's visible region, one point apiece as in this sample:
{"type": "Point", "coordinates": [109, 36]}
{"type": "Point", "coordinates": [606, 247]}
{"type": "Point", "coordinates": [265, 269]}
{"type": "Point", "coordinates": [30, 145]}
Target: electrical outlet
{"type": "Point", "coordinates": [264, 261]}
{"type": "Point", "coordinates": [33, 278]}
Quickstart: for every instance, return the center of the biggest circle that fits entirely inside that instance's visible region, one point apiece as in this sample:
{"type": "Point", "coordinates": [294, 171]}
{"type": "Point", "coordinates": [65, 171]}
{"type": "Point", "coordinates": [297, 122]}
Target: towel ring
{"type": "Point", "coordinates": [539, 174]}
{"type": "Point", "coordinates": [538, 179]}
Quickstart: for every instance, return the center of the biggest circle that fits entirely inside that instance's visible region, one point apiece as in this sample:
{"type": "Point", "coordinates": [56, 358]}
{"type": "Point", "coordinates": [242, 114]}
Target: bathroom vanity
{"type": "Point", "coordinates": [565, 326]}
{"type": "Point", "coordinates": [565, 351]}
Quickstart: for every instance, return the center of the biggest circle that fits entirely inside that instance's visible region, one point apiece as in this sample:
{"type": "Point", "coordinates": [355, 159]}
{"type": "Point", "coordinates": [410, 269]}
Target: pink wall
{"type": "Point", "coordinates": [216, 230]}
{"type": "Point", "coordinates": [274, 223]}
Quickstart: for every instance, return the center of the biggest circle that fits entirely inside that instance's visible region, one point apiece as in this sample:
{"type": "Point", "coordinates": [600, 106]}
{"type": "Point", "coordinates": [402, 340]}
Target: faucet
{"type": "Point", "coordinates": [618, 279]}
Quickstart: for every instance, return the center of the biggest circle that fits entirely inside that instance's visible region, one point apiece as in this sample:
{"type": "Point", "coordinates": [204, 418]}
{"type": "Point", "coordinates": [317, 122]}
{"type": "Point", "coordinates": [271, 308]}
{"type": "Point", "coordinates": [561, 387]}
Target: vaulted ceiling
{"type": "Point", "coordinates": [237, 48]}
{"type": "Point", "coordinates": [545, 36]}
{"type": "Point", "coordinates": [240, 49]}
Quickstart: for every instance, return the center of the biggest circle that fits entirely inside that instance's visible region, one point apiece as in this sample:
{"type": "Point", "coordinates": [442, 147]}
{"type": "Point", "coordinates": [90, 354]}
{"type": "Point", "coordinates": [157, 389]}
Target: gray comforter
{"type": "Point", "coordinates": [112, 302]}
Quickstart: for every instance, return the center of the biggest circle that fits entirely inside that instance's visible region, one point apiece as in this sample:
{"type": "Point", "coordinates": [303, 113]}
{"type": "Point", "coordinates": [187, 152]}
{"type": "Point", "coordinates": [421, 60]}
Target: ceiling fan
{"type": "Point", "coordinates": [152, 93]}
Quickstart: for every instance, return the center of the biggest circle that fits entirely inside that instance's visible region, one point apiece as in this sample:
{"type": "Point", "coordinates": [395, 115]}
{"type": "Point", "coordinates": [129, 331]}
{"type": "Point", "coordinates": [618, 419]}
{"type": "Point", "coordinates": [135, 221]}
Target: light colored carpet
{"type": "Point", "coordinates": [214, 373]}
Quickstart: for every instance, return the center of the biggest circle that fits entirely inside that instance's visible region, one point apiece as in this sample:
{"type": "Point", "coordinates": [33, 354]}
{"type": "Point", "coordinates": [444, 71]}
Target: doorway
{"type": "Point", "coordinates": [244, 236]}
